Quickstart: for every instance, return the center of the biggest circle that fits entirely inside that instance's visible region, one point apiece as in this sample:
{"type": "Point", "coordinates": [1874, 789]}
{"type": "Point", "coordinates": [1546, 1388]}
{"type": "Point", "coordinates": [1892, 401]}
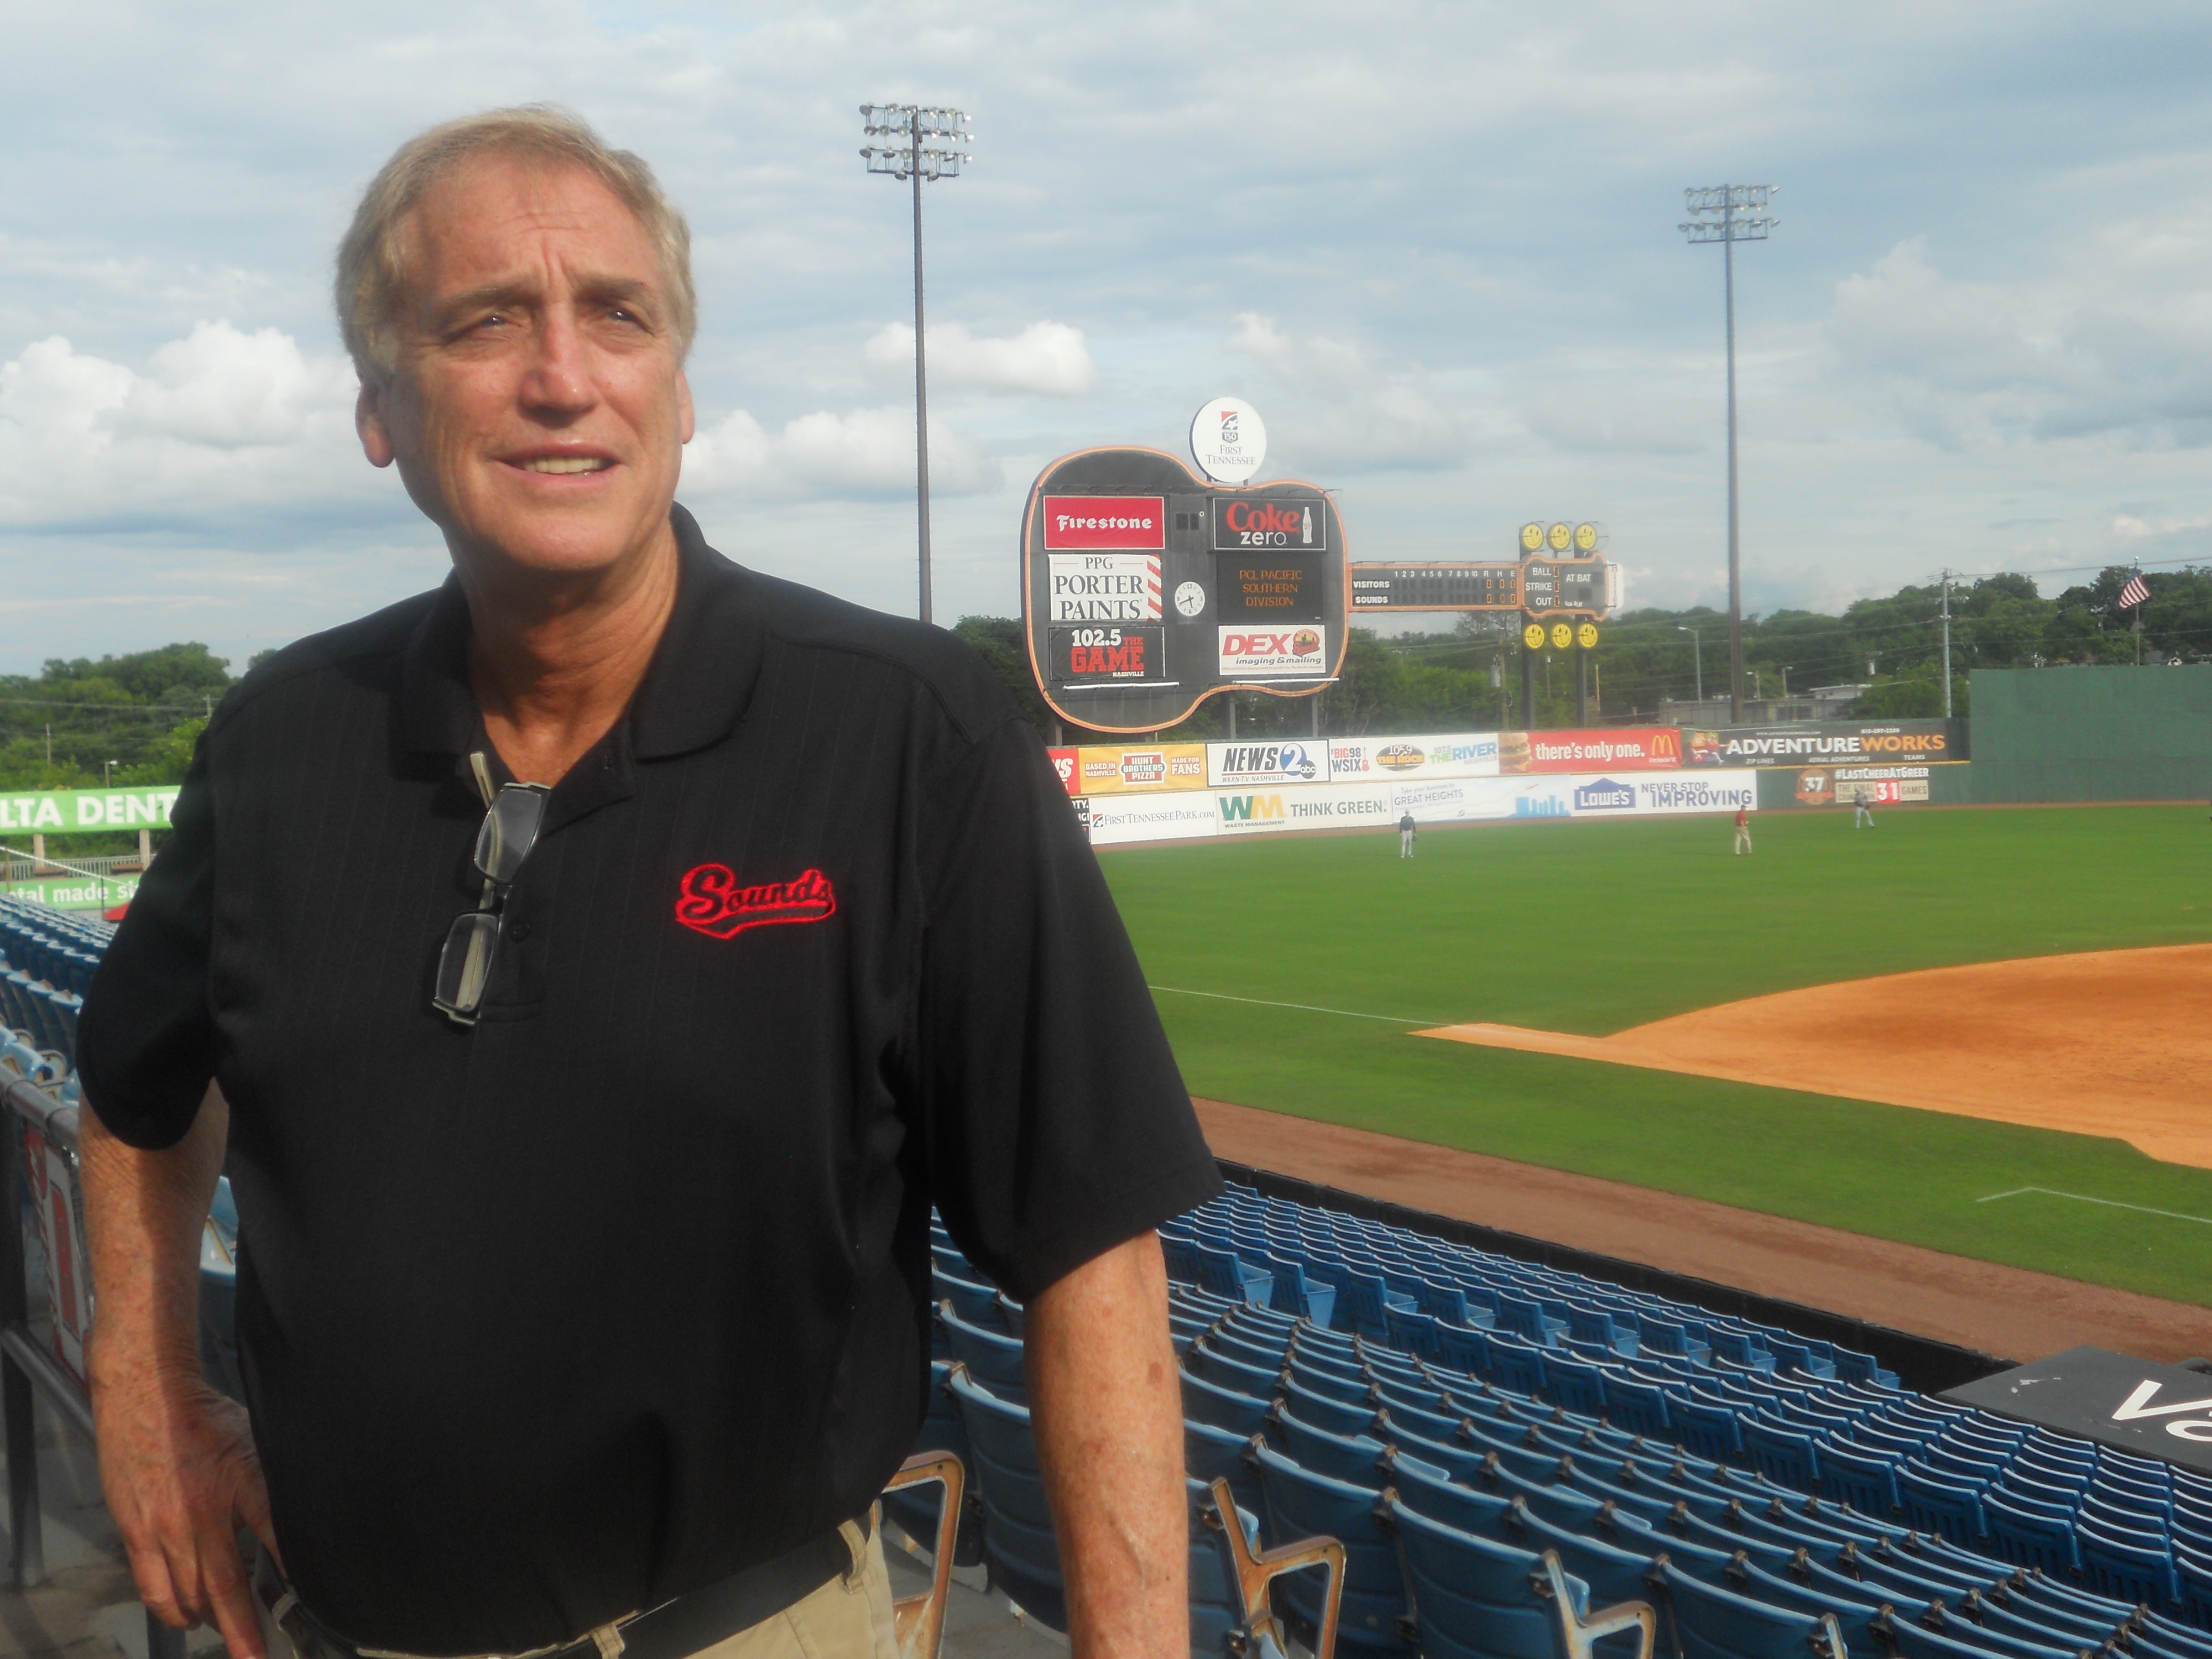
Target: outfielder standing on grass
{"type": "Point", "coordinates": [1743, 829]}
{"type": "Point", "coordinates": [1862, 815]}
{"type": "Point", "coordinates": [1406, 836]}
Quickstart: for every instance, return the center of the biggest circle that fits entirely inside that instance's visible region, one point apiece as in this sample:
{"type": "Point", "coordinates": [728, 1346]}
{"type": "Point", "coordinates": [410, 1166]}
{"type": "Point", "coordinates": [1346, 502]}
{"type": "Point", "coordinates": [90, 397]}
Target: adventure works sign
{"type": "Point", "coordinates": [81, 811]}
{"type": "Point", "coordinates": [1826, 742]}
{"type": "Point", "coordinates": [2152, 1411]}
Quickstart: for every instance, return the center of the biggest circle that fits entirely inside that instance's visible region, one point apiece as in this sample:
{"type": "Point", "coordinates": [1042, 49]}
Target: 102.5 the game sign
{"type": "Point", "coordinates": [1146, 590]}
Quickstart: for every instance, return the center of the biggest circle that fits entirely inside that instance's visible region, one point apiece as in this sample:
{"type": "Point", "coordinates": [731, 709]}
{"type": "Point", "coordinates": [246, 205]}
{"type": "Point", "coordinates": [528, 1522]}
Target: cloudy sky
{"type": "Point", "coordinates": [1435, 244]}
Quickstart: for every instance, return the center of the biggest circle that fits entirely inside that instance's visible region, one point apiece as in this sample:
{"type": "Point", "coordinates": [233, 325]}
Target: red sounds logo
{"type": "Point", "coordinates": [713, 903]}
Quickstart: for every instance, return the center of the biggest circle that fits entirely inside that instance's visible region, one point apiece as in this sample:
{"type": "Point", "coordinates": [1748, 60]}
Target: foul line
{"type": "Point", "coordinates": [1302, 1007]}
{"type": "Point", "coordinates": [2111, 1203]}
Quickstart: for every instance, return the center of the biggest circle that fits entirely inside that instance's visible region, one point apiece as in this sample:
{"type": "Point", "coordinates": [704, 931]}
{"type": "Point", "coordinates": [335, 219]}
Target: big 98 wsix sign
{"type": "Point", "coordinates": [1146, 590]}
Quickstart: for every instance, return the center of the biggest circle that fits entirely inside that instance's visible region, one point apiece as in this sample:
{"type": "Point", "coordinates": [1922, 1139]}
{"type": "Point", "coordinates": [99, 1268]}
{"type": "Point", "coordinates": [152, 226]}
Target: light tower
{"type": "Point", "coordinates": [1728, 213]}
{"type": "Point", "coordinates": [921, 136]}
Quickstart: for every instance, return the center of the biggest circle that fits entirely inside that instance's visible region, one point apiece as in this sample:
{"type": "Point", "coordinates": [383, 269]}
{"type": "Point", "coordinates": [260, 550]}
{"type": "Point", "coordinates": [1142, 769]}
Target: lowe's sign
{"type": "Point", "coordinates": [83, 811]}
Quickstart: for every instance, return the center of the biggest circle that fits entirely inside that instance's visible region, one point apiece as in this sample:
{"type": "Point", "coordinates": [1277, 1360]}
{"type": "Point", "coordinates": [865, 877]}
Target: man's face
{"type": "Point", "coordinates": [539, 409]}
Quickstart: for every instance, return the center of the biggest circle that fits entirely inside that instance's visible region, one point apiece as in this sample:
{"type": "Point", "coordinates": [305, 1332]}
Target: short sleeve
{"type": "Point", "coordinates": [146, 1046]}
{"type": "Point", "coordinates": [1058, 1124]}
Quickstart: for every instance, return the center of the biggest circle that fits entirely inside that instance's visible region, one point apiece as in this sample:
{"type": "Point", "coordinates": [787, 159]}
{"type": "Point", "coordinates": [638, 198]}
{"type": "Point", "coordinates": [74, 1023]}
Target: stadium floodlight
{"type": "Point", "coordinates": [1728, 213]}
{"type": "Point", "coordinates": [922, 146]}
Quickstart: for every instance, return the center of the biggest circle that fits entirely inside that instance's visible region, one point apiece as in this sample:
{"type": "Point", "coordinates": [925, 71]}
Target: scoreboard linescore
{"type": "Point", "coordinates": [1577, 581]}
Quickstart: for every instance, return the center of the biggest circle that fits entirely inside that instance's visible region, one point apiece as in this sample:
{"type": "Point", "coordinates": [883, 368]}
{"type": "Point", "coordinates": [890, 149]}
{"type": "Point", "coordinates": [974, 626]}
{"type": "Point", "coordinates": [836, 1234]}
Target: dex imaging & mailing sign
{"type": "Point", "coordinates": [1273, 652]}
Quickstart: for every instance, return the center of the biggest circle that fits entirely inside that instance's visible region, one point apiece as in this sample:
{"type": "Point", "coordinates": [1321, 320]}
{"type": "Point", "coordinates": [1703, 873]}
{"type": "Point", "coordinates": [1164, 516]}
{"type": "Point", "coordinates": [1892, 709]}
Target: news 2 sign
{"type": "Point", "coordinates": [2161, 1412]}
{"type": "Point", "coordinates": [1147, 589]}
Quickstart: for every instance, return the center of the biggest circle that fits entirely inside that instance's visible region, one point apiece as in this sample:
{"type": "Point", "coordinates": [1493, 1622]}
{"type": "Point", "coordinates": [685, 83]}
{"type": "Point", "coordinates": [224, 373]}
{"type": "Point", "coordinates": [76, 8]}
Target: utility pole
{"type": "Point", "coordinates": [916, 161]}
{"type": "Point", "coordinates": [1743, 217]}
{"type": "Point", "coordinates": [1946, 643]}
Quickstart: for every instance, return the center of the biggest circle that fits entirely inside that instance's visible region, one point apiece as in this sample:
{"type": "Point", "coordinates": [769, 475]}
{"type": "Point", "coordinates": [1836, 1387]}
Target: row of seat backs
{"type": "Point", "coordinates": [1359, 1408]}
{"type": "Point", "coordinates": [2120, 1554]}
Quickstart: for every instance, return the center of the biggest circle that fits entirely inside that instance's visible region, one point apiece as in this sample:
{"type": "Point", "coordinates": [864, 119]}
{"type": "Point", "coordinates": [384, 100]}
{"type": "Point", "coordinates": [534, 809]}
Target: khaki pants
{"type": "Point", "coordinates": [849, 1617]}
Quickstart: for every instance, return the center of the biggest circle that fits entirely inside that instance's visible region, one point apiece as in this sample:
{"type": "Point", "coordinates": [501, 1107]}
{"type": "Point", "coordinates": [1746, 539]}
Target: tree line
{"type": "Point", "coordinates": [1469, 678]}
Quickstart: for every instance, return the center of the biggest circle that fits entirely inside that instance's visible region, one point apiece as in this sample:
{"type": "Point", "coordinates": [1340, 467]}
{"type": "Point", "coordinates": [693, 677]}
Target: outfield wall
{"type": "Point", "coordinates": [2079, 734]}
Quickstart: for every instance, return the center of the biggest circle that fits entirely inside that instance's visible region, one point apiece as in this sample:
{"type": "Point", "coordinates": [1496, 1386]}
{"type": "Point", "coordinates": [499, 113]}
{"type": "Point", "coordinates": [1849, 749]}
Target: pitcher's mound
{"type": "Point", "coordinates": [2109, 1042]}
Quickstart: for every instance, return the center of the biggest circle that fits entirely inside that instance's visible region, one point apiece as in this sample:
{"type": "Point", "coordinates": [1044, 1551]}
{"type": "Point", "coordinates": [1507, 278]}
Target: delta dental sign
{"type": "Point", "coordinates": [86, 812]}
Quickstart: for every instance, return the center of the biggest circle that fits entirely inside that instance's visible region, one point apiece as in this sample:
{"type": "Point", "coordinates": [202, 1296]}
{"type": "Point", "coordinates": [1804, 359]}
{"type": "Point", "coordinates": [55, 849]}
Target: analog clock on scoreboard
{"type": "Point", "coordinates": [1147, 589]}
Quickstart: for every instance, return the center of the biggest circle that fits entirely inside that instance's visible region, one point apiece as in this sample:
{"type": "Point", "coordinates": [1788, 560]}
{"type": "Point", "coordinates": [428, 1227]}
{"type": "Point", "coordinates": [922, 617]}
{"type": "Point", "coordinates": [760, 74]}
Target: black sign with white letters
{"type": "Point", "coordinates": [2155, 1411]}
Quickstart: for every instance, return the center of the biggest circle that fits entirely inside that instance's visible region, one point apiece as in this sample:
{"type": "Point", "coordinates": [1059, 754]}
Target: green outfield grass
{"type": "Point", "coordinates": [1596, 927]}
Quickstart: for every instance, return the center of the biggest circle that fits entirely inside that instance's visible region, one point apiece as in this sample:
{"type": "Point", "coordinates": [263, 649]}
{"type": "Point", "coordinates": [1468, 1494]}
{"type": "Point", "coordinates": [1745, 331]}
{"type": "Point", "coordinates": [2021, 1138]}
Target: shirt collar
{"type": "Point", "coordinates": [695, 691]}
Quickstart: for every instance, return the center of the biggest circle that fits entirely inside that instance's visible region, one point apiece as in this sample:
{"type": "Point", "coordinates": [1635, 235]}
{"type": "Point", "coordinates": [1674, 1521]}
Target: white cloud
{"type": "Point", "coordinates": [220, 419]}
{"type": "Point", "coordinates": [864, 454]}
{"type": "Point", "coordinates": [2092, 351]}
{"type": "Point", "coordinates": [1046, 359]}
{"type": "Point", "coordinates": [1341, 413]}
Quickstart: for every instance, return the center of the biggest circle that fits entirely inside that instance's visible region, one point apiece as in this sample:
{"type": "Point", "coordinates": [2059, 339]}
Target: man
{"type": "Point", "coordinates": [1406, 835]}
{"type": "Point", "coordinates": [1862, 812]}
{"type": "Point", "coordinates": [1742, 831]}
{"type": "Point", "coordinates": [593, 971]}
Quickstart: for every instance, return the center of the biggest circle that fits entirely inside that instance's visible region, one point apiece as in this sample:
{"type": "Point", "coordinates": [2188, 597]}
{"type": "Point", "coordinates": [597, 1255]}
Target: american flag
{"type": "Point", "coordinates": [2134, 593]}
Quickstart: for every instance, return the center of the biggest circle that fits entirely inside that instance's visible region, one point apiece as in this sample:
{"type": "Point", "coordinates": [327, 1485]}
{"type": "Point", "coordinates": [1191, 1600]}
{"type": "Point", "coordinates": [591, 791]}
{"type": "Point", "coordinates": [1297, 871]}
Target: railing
{"type": "Point", "coordinates": [27, 1369]}
{"type": "Point", "coordinates": [31, 869]}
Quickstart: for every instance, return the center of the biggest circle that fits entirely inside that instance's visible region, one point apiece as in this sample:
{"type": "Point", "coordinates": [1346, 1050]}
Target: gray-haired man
{"type": "Point", "coordinates": [594, 971]}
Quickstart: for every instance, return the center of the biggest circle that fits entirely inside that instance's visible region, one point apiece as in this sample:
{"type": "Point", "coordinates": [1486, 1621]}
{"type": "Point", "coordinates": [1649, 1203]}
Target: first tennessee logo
{"type": "Point", "coordinates": [713, 903]}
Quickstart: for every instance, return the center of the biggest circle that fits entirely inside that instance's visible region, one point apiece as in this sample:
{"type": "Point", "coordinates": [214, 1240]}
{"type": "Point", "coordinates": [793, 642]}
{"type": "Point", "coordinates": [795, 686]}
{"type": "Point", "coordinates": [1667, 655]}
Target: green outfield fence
{"type": "Point", "coordinates": [2087, 734]}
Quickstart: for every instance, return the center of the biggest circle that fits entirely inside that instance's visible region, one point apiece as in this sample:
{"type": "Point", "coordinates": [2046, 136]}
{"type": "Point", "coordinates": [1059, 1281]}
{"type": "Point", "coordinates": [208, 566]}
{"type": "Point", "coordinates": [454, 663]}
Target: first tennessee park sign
{"type": "Point", "coordinates": [1146, 589]}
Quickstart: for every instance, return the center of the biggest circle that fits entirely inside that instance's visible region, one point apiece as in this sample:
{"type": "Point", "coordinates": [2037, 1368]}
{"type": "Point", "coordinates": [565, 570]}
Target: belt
{"type": "Point", "coordinates": [686, 1624]}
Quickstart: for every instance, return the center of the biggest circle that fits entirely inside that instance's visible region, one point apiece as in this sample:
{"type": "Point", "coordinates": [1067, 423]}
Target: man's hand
{"type": "Point", "coordinates": [176, 1459]}
{"type": "Point", "coordinates": [177, 1465]}
{"type": "Point", "coordinates": [1107, 1405]}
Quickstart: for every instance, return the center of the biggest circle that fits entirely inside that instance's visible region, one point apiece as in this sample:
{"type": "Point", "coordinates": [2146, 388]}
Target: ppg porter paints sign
{"type": "Point", "coordinates": [1145, 589]}
{"type": "Point", "coordinates": [2152, 1411]}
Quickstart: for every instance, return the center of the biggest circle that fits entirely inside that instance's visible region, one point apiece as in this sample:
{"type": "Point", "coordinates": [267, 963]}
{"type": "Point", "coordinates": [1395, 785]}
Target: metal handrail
{"type": "Point", "coordinates": [27, 1369]}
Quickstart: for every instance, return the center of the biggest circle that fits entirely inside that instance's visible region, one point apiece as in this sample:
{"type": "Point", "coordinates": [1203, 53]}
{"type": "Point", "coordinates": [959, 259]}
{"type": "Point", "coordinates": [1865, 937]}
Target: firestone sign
{"type": "Point", "coordinates": [1146, 590]}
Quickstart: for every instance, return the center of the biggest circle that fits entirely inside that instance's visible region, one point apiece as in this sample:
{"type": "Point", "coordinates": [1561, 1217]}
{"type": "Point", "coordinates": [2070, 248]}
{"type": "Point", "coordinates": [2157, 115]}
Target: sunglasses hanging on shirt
{"type": "Point", "coordinates": [509, 831]}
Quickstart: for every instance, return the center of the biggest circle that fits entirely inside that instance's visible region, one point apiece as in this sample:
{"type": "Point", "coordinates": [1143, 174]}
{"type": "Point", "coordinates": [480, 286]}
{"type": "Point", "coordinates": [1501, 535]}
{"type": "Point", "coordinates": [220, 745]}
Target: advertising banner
{"type": "Point", "coordinates": [1612, 749]}
{"type": "Point", "coordinates": [1273, 652]}
{"type": "Point", "coordinates": [1921, 742]}
{"type": "Point", "coordinates": [1162, 767]}
{"type": "Point", "coordinates": [1087, 656]}
{"type": "Point", "coordinates": [1150, 818]}
{"type": "Point", "coordinates": [1064, 763]}
{"type": "Point", "coordinates": [1697, 794]}
{"type": "Point", "coordinates": [75, 892]}
{"type": "Point", "coordinates": [1267, 762]}
{"type": "Point", "coordinates": [79, 812]}
{"type": "Point", "coordinates": [1103, 587]}
{"type": "Point", "coordinates": [1844, 786]}
{"type": "Point", "coordinates": [1106, 521]}
{"type": "Point", "coordinates": [1452, 754]}
{"type": "Point", "coordinates": [1445, 799]}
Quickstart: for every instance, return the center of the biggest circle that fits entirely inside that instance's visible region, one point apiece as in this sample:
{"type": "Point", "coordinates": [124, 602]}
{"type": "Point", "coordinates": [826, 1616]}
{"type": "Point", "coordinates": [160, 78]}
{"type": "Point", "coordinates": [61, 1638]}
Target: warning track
{"type": "Point", "coordinates": [2007, 1311]}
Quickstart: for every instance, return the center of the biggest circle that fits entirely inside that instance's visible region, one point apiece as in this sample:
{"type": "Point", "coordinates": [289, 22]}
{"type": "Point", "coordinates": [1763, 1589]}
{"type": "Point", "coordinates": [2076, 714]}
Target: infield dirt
{"type": "Point", "coordinates": [2105, 1043]}
{"type": "Point", "coordinates": [2005, 1312]}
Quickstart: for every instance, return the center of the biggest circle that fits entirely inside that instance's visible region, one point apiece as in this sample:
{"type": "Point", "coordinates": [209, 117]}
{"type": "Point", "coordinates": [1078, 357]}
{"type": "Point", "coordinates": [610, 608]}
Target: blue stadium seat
{"type": "Point", "coordinates": [1240, 1414]}
{"type": "Point", "coordinates": [2130, 1566]}
{"type": "Point", "coordinates": [1714, 1623]}
{"type": "Point", "coordinates": [1475, 1598]}
{"type": "Point", "coordinates": [1301, 1505]}
{"type": "Point", "coordinates": [993, 1358]}
{"type": "Point", "coordinates": [1017, 1536]}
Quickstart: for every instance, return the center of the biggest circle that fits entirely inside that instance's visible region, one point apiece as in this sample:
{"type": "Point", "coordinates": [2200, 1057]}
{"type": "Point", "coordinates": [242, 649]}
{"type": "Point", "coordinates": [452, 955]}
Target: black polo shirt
{"type": "Point", "coordinates": [626, 1288]}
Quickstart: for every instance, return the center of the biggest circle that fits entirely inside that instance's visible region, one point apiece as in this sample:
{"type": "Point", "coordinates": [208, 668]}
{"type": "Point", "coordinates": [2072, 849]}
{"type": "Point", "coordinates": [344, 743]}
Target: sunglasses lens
{"type": "Point", "coordinates": [510, 830]}
{"type": "Point", "coordinates": [466, 963]}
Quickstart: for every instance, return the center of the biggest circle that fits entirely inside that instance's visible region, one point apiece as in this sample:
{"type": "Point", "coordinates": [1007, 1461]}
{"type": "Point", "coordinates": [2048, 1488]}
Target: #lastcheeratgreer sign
{"type": "Point", "coordinates": [86, 812]}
